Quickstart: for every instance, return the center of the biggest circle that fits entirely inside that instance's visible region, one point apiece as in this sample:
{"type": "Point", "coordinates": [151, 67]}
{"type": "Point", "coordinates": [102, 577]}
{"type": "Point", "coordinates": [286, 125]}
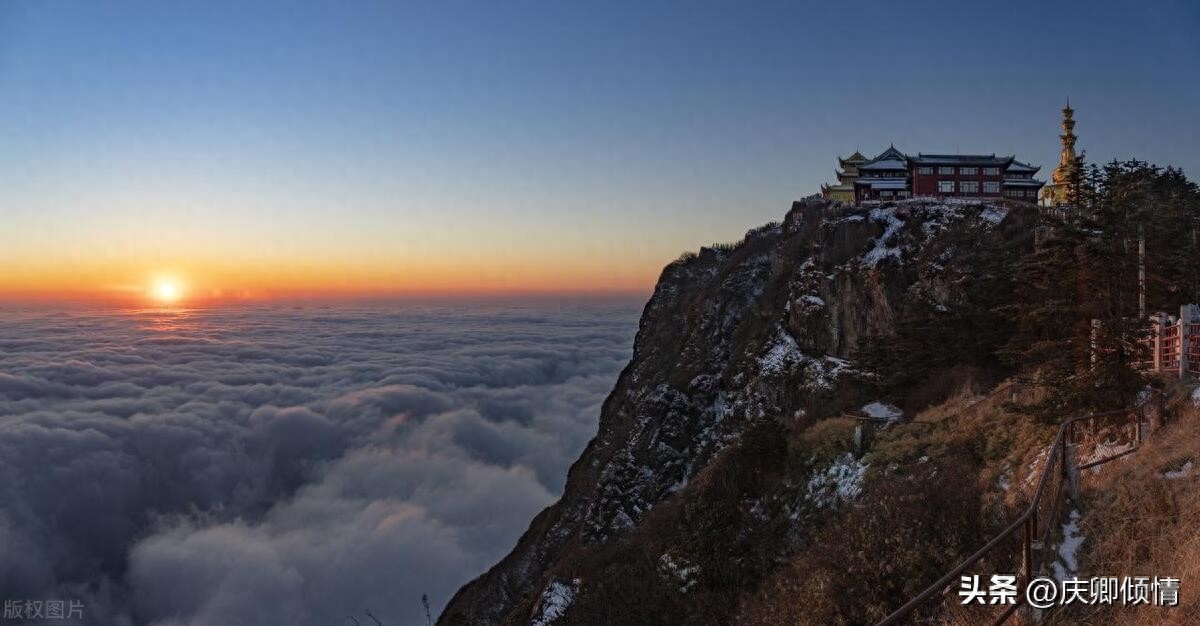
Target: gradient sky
{"type": "Point", "coordinates": [391, 147]}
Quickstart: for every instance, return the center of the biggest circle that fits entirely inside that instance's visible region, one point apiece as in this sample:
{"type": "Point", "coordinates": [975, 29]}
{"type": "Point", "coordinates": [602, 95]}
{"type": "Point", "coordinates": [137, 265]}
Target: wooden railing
{"type": "Point", "coordinates": [1023, 548]}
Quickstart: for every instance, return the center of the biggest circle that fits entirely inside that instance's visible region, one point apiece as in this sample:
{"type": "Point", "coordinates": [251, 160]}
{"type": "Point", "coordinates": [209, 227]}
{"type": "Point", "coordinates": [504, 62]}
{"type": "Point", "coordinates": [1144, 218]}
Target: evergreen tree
{"type": "Point", "coordinates": [1077, 314]}
{"type": "Point", "coordinates": [1050, 339]}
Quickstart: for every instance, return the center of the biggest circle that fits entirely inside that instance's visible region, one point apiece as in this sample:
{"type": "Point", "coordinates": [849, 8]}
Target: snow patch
{"type": "Point", "coordinates": [840, 482]}
{"type": "Point", "coordinates": [686, 575]}
{"type": "Point", "coordinates": [882, 249]}
{"type": "Point", "coordinates": [883, 411]}
{"type": "Point", "coordinates": [826, 370]}
{"type": "Point", "coordinates": [781, 354]}
{"type": "Point", "coordinates": [555, 600]}
{"type": "Point", "coordinates": [1196, 397]}
{"type": "Point", "coordinates": [784, 354]}
{"type": "Point", "coordinates": [1183, 472]}
{"type": "Point", "coordinates": [1067, 564]}
{"type": "Point", "coordinates": [1004, 482]}
{"type": "Point", "coordinates": [993, 214]}
{"type": "Point", "coordinates": [622, 521]}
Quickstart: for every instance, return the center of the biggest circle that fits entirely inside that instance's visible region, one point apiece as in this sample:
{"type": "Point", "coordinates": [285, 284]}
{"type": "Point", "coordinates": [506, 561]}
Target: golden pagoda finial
{"type": "Point", "coordinates": [1058, 192]}
{"type": "Point", "coordinates": [1066, 159]}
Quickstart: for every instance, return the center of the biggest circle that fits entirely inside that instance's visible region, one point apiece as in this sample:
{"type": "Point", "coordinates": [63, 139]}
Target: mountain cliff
{"type": "Point", "coordinates": [719, 451]}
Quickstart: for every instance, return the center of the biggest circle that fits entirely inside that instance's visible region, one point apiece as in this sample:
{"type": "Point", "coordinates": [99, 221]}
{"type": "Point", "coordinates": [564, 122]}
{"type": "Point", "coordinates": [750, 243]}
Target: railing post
{"type": "Point", "coordinates": [1070, 470]}
{"type": "Point", "coordinates": [1062, 453]}
{"type": "Point", "coordinates": [1156, 343]}
{"type": "Point", "coordinates": [1186, 314]}
{"type": "Point", "coordinates": [1027, 548]}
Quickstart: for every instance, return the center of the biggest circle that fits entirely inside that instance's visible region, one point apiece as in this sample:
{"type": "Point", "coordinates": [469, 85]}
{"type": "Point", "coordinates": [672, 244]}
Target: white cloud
{"type": "Point", "coordinates": [279, 465]}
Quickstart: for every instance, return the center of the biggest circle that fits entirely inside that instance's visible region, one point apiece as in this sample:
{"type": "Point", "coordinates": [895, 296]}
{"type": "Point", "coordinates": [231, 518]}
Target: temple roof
{"type": "Point", "coordinates": [890, 154]}
{"type": "Point", "coordinates": [1017, 166]}
{"type": "Point", "coordinates": [857, 157]}
{"type": "Point", "coordinates": [886, 164]}
{"type": "Point", "coordinates": [960, 159]}
{"type": "Point", "coordinates": [890, 159]}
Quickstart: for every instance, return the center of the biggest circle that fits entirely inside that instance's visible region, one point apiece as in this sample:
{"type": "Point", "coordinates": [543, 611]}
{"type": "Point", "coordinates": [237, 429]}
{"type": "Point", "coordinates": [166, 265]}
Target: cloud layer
{"type": "Point", "coordinates": [286, 465]}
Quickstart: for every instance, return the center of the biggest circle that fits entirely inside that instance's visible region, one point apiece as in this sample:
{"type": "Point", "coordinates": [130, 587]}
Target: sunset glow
{"type": "Point", "coordinates": [167, 291]}
{"type": "Point", "coordinates": [387, 161]}
{"type": "Point", "coordinates": [200, 278]}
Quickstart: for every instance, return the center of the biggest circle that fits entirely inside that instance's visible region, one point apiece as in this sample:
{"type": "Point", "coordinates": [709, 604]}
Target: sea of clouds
{"type": "Point", "coordinates": [286, 464]}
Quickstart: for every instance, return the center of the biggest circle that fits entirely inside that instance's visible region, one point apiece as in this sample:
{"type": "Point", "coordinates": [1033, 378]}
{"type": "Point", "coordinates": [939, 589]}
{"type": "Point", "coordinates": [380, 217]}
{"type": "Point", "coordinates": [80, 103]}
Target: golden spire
{"type": "Point", "coordinates": [1066, 159]}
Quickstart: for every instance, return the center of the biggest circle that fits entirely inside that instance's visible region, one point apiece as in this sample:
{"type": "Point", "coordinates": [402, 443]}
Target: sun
{"type": "Point", "coordinates": [167, 291]}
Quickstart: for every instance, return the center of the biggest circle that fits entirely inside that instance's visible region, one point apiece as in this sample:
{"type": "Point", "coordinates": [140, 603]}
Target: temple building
{"type": "Point", "coordinates": [885, 176]}
{"type": "Point", "coordinates": [1058, 192]}
{"type": "Point", "coordinates": [894, 175]}
{"type": "Point", "coordinates": [844, 189]}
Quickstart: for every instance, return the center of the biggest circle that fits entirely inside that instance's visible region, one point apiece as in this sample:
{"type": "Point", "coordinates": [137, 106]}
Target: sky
{"type": "Point", "coordinates": [259, 149]}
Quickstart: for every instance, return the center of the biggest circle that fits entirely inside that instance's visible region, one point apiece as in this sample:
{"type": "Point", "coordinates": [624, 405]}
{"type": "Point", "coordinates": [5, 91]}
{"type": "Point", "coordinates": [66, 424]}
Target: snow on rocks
{"type": "Point", "coordinates": [1184, 471]}
{"type": "Point", "coordinates": [934, 216]}
{"type": "Point", "coordinates": [686, 575]}
{"type": "Point", "coordinates": [883, 247]}
{"type": "Point", "coordinates": [783, 354]}
{"type": "Point", "coordinates": [825, 371]}
{"type": "Point", "coordinates": [556, 599]}
{"type": "Point", "coordinates": [840, 482]}
{"type": "Point", "coordinates": [806, 304]}
{"type": "Point", "coordinates": [1004, 480]}
{"type": "Point", "coordinates": [1067, 564]}
{"type": "Point", "coordinates": [993, 214]}
{"type": "Point", "coordinates": [880, 410]}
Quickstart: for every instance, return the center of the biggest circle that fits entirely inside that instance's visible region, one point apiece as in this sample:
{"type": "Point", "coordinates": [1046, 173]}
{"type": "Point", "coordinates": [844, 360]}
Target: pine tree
{"type": "Point", "coordinates": [1078, 313]}
{"type": "Point", "coordinates": [1050, 340]}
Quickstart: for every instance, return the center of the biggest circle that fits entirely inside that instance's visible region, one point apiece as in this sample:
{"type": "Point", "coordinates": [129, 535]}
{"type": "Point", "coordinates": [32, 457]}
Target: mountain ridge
{"type": "Point", "coordinates": [770, 328]}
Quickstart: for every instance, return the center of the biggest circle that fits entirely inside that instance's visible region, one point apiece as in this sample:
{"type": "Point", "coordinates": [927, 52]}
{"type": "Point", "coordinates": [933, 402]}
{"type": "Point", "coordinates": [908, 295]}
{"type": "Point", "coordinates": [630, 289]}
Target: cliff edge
{"type": "Point", "coordinates": [738, 344]}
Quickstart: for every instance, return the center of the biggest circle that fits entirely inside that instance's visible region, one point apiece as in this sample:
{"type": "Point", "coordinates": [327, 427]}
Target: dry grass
{"type": "Point", "coordinates": [1005, 444]}
{"type": "Point", "coordinates": [1140, 523]}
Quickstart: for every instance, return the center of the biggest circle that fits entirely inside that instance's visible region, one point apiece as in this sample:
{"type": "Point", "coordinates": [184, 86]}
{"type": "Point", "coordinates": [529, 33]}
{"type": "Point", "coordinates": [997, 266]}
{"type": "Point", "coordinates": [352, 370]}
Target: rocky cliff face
{"type": "Point", "coordinates": [769, 328]}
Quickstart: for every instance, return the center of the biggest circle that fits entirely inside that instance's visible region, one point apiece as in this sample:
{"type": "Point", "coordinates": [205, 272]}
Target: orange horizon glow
{"type": "Point", "coordinates": [217, 258]}
{"type": "Point", "coordinates": [183, 285]}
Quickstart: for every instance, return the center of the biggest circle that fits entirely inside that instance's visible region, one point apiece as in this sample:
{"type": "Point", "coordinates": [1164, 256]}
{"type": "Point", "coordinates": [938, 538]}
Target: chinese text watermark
{"type": "Point", "coordinates": [1043, 593]}
{"type": "Point", "coordinates": [26, 609]}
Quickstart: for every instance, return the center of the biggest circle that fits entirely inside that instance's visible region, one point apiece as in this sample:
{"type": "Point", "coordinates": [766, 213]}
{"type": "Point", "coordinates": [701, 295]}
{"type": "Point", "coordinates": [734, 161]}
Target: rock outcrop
{"type": "Point", "coordinates": [767, 328]}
